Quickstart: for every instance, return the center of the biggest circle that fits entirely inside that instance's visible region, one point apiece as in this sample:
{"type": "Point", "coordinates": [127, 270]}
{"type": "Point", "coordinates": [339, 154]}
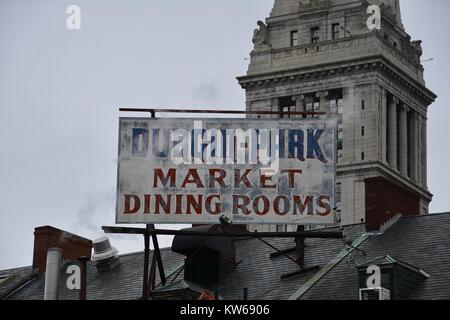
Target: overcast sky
{"type": "Point", "coordinates": [60, 91]}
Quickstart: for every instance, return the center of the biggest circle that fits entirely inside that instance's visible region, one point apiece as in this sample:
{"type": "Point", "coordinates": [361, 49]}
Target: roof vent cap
{"type": "Point", "coordinates": [104, 255]}
{"type": "Point", "coordinates": [103, 249]}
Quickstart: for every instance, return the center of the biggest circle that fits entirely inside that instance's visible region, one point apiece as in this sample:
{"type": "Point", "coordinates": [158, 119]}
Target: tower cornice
{"type": "Point", "coordinates": [376, 63]}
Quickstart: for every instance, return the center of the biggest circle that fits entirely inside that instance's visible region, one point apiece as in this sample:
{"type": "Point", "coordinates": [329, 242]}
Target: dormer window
{"type": "Point", "coordinates": [397, 279]}
{"type": "Point", "coordinates": [315, 34]}
{"type": "Point", "coordinates": [294, 38]}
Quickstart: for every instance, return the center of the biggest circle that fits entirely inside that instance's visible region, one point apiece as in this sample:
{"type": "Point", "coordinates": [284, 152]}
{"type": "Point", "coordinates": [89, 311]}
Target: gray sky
{"type": "Point", "coordinates": [60, 91]}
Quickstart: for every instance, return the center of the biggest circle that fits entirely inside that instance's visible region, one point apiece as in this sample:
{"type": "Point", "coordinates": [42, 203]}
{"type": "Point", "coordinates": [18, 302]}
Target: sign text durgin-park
{"type": "Point", "coordinates": [252, 171]}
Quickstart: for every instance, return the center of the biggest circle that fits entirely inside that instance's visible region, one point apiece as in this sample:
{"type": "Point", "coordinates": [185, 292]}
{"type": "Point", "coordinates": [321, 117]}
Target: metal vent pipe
{"type": "Point", "coordinates": [52, 273]}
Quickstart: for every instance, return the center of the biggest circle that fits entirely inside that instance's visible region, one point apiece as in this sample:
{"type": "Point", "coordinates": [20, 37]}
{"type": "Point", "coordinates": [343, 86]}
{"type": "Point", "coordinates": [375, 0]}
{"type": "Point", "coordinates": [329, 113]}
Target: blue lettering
{"type": "Point", "coordinates": [139, 146]}
{"type": "Point", "coordinates": [314, 146]}
{"type": "Point", "coordinates": [160, 150]}
{"type": "Point", "coordinates": [281, 143]}
{"type": "Point", "coordinates": [296, 142]}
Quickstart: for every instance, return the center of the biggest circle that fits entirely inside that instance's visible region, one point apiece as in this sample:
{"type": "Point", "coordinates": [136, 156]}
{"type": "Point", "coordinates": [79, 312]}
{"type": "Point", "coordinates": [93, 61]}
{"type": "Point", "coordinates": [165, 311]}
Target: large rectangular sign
{"type": "Point", "coordinates": [252, 171]}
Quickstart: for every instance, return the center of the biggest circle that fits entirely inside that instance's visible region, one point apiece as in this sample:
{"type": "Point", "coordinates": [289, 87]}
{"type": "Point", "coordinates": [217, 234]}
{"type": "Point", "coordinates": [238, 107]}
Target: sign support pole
{"type": "Point", "coordinates": [157, 252]}
{"type": "Point", "coordinates": [152, 279]}
{"type": "Point", "coordinates": [300, 246]}
{"type": "Point", "coordinates": [146, 261]}
{"type": "Point", "coordinates": [83, 267]}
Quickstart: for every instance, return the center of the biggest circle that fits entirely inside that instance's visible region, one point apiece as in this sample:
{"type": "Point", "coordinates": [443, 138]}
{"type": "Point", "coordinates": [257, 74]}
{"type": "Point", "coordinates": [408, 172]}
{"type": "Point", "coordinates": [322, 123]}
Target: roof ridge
{"type": "Point", "coordinates": [386, 257]}
{"type": "Point", "coordinates": [5, 272]}
{"type": "Point", "coordinates": [425, 215]}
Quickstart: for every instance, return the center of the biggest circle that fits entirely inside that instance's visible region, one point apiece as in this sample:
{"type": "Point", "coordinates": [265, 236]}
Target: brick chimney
{"type": "Point", "coordinates": [71, 245]}
{"type": "Point", "coordinates": [385, 200]}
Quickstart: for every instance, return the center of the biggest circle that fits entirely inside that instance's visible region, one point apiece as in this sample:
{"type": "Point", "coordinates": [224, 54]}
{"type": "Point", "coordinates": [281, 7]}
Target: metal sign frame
{"type": "Point", "coordinates": [150, 230]}
{"type": "Point", "coordinates": [130, 202]}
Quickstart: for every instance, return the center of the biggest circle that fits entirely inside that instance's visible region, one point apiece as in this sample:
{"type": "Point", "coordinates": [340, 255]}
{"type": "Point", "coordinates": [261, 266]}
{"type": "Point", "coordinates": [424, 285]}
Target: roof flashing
{"type": "Point", "coordinates": [4, 278]}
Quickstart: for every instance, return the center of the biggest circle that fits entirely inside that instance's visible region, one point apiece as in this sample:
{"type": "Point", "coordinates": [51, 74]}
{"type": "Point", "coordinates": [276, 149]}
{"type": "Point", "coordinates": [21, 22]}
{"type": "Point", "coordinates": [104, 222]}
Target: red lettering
{"type": "Point", "coordinates": [263, 182]}
{"type": "Point", "coordinates": [137, 204]}
{"type": "Point", "coordinates": [301, 207]}
{"type": "Point", "coordinates": [217, 205]}
{"type": "Point", "coordinates": [192, 178]}
{"type": "Point", "coordinates": [192, 203]}
{"type": "Point", "coordinates": [159, 175]}
{"type": "Point", "coordinates": [179, 203]}
{"type": "Point", "coordinates": [160, 202]}
{"type": "Point", "coordinates": [238, 178]}
{"type": "Point", "coordinates": [324, 205]}
{"type": "Point", "coordinates": [266, 205]}
{"type": "Point", "coordinates": [147, 204]}
{"type": "Point", "coordinates": [213, 179]}
{"type": "Point", "coordinates": [241, 206]}
{"type": "Point", "coordinates": [286, 205]}
{"type": "Point", "coordinates": [291, 174]}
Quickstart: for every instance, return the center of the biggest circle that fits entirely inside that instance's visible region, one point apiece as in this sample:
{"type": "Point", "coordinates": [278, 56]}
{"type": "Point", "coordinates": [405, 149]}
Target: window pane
{"type": "Point", "coordinates": [315, 34]}
{"type": "Point", "coordinates": [335, 31]}
{"type": "Point", "coordinates": [340, 103]}
{"type": "Point", "coordinates": [340, 137]}
{"type": "Point", "coordinates": [338, 192]}
{"type": "Point", "coordinates": [316, 108]}
{"type": "Point", "coordinates": [294, 38]}
{"type": "Point", "coordinates": [286, 111]}
{"type": "Point", "coordinates": [333, 106]}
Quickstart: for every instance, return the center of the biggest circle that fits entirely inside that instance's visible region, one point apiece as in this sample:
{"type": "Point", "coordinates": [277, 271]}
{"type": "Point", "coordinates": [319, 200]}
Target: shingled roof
{"type": "Point", "coordinates": [422, 242]}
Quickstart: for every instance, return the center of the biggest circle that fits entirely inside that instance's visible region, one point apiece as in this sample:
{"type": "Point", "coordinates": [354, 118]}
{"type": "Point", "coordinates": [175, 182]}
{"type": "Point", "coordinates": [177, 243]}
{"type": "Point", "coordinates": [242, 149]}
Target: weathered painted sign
{"type": "Point", "coordinates": [252, 171]}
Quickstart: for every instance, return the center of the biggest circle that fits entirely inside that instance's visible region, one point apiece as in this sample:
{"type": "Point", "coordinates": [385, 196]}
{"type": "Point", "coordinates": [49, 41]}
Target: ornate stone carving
{"type": "Point", "coordinates": [309, 4]}
{"type": "Point", "coordinates": [389, 9]}
{"type": "Point", "coordinates": [404, 107]}
{"type": "Point", "coordinates": [322, 94]}
{"type": "Point", "coordinates": [396, 100]}
{"type": "Point", "coordinates": [261, 36]}
{"type": "Point", "coordinates": [417, 46]}
{"type": "Point", "coordinates": [300, 97]}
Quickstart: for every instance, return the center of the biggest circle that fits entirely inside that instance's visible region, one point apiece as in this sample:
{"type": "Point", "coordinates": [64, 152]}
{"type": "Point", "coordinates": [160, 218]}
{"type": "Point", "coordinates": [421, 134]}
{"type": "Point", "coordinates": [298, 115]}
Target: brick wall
{"type": "Point", "coordinates": [47, 237]}
{"type": "Point", "coordinates": [385, 199]}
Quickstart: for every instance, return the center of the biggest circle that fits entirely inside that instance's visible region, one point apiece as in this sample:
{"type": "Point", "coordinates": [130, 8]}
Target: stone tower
{"type": "Point", "coordinates": [319, 55]}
